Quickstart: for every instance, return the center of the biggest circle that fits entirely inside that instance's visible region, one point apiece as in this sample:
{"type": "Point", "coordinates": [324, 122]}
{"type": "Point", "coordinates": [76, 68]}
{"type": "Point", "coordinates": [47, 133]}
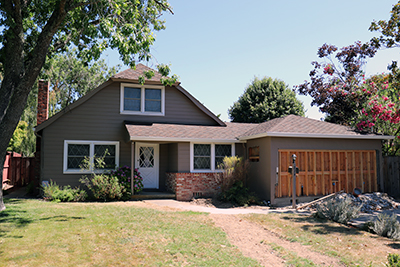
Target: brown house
{"type": "Point", "coordinates": [177, 143]}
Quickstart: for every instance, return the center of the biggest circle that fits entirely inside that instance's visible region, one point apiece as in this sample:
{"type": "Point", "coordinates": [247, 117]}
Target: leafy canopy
{"type": "Point", "coordinates": [335, 80]}
{"type": "Point", "coordinates": [263, 100]}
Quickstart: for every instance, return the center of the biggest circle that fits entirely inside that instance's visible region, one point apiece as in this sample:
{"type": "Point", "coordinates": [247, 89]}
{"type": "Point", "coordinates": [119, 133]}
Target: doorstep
{"type": "Point", "coordinates": [154, 195]}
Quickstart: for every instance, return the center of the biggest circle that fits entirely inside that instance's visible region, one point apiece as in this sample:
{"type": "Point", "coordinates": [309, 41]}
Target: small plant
{"type": "Point", "coordinates": [393, 260]}
{"type": "Point", "coordinates": [104, 187]}
{"type": "Point", "coordinates": [386, 226]}
{"type": "Point", "coordinates": [233, 182]}
{"type": "Point", "coordinates": [53, 192]}
{"type": "Point", "coordinates": [338, 210]}
{"type": "Point", "coordinates": [124, 177]}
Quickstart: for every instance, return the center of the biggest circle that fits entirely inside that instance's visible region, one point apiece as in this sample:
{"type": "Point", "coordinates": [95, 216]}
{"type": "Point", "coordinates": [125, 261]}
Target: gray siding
{"type": "Point", "coordinates": [164, 161]}
{"type": "Point", "coordinates": [99, 119]}
{"type": "Point", "coordinates": [240, 150]}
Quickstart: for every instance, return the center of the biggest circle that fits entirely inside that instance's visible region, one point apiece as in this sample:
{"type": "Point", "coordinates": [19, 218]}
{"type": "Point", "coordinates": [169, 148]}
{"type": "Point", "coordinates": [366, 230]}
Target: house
{"type": "Point", "coordinates": [177, 143]}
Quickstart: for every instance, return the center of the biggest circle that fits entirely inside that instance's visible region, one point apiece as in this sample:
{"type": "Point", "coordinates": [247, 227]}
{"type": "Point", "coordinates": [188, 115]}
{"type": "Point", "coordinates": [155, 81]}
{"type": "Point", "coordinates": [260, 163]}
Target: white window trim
{"type": "Point", "coordinates": [142, 99]}
{"type": "Point", "coordinates": [91, 153]}
{"type": "Point", "coordinates": [213, 167]}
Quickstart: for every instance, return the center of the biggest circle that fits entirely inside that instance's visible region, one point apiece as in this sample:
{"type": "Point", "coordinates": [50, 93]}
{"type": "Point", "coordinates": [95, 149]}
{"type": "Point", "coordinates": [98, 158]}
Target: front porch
{"type": "Point", "coordinates": [151, 194]}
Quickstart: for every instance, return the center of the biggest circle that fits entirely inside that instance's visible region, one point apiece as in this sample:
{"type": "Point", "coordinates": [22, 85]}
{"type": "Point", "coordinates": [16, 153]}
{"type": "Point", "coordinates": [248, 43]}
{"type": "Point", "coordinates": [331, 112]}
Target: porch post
{"type": "Point", "coordinates": [132, 165]}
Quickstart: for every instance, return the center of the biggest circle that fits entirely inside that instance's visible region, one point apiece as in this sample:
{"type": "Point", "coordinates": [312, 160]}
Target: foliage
{"type": "Point", "coordinates": [123, 175]}
{"type": "Point", "coordinates": [338, 210]}
{"type": "Point", "coordinates": [381, 113]}
{"type": "Point", "coordinates": [390, 29]}
{"type": "Point", "coordinates": [386, 226]}
{"type": "Point", "coordinates": [264, 100]}
{"type": "Point", "coordinates": [393, 260]}
{"type": "Point", "coordinates": [336, 81]}
{"type": "Point", "coordinates": [32, 31]}
{"type": "Point", "coordinates": [233, 182]}
{"type": "Point", "coordinates": [53, 192]}
{"type": "Point", "coordinates": [21, 141]}
{"type": "Point", "coordinates": [104, 187]}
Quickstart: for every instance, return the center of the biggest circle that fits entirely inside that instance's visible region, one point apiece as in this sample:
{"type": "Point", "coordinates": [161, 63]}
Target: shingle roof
{"type": "Point", "coordinates": [133, 74]}
{"type": "Point", "coordinates": [289, 126]}
{"type": "Point", "coordinates": [293, 125]}
{"type": "Point", "coordinates": [178, 132]}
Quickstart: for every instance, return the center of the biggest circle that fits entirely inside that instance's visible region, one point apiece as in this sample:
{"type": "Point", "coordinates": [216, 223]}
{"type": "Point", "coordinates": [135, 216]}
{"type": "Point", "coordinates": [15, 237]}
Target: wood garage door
{"type": "Point", "coordinates": [322, 172]}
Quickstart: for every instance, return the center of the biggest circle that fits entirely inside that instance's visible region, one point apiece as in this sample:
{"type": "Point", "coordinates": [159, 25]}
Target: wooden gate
{"type": "Point", "coordinates": [322, 172]}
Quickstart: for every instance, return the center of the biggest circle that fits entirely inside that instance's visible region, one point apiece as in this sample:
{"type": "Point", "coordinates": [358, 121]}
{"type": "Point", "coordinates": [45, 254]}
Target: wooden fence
{"type": "Point", "coordinates": [322, 172]}
{"type": "Point", "coordinates": [391, 176]}
{"type": "Point", "coordinates": [18, 171]}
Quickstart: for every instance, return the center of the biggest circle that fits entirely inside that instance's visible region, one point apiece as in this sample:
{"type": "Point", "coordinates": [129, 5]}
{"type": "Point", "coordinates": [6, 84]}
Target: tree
{"type": "Point", "coordinates": [265, 99]}
{"type": "Point", "coordinates": [336, 80]}
{"type": "Point", "coordinates": [381, 112]}
{"type": "Point", "coordinates": [32, 31]}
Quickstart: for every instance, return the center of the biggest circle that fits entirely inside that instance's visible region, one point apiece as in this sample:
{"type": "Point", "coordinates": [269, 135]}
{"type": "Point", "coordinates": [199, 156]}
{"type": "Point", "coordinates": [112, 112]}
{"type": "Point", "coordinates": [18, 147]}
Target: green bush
{"type": "Point", "coordinates": [53, 192]}
{"type": "Point", "coordinates": [239, 194]}
{"type": "Point", "coordinates": [233, 182]}
{"type": "Point", "coordinates": [338, 210]}
{"type": "Point", "coordinates": [386, 226]}
{"type": "Point", "coordinates": [393, 260]}
{"type": "Point", "coordinates": [104, 187]}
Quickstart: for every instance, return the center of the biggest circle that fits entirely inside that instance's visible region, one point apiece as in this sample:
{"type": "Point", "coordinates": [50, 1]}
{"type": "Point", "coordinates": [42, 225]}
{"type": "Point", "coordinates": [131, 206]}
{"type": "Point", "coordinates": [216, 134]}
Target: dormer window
{"type": "Point", "coordinates": [142, 100]}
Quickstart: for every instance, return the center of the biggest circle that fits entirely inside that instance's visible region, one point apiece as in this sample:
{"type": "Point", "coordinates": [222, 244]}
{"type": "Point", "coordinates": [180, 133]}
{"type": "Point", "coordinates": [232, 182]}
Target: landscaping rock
{"type": "Point", "coordinates": [369, 202]}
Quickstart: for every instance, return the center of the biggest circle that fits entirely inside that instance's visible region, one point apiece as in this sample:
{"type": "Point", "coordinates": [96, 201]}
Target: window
{"type": "Point", "coordinates": [254, 154]}
{"type": "Point", "coordinates": [76, 151]}
{"type": "Point", "coordinates": [208, 157]}
{"type": "Point", "coordinates": [142, 100]}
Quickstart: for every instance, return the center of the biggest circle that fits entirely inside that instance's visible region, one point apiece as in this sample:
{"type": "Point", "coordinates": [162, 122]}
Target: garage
{"type": "Point", "coordinates": [322, 172]}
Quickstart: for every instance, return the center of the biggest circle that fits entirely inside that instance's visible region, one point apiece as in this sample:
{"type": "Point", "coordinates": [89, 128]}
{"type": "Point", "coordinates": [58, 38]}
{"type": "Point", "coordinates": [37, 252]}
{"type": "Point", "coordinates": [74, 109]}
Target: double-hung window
{"type": "Point", "coordinates": [142, 100]}
{"type": "Point", "coordinates": [89, 156]}
{"type": "Point", "coordinates": [209, 157]}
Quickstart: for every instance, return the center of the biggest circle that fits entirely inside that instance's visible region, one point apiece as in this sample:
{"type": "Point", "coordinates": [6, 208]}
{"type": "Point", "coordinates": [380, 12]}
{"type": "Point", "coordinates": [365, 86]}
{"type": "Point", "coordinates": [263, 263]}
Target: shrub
{"type": "Point", "coordinates": [233, 182]}
{"type": "Point", "coordinates": [338, 210]}
{"type": "Point", "coordinates": [386, 226]}
{"type": "Point", "coordinates": [124, 177]}
{"type": "Point", "coordinates": [393, 260]}
{"type": "Point", "coordinates": [104, 187]}
{"type": "Point", "coordinates": [53, 192]}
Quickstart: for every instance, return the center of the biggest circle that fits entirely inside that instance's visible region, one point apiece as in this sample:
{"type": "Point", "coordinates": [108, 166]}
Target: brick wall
{"type": "Point", "coordinates": [188, 185]}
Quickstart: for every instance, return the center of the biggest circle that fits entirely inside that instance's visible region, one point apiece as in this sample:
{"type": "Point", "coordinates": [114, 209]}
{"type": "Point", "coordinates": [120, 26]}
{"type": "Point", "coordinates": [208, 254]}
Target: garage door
{"type": "Point", "coordinates": [322, 172]}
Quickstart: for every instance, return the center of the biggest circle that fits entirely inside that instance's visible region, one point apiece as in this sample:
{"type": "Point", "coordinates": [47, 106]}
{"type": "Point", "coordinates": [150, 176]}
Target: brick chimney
{"type": "Point", "coordinates": [43, 101]}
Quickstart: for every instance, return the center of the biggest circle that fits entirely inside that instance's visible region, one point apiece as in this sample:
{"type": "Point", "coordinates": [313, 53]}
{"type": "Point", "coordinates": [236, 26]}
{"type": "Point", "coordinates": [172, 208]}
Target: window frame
{"type": "Point", "coordinates": [91, 155]}
{"type": "Point", "coordinates": [213, 167]}
{"type": "Point", "coordinates": [142, 99]}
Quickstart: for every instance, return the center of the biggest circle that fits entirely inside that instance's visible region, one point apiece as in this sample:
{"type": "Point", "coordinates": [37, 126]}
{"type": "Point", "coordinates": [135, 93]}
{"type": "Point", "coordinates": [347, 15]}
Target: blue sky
{"type": "Point", "coordinates": [217, 47]}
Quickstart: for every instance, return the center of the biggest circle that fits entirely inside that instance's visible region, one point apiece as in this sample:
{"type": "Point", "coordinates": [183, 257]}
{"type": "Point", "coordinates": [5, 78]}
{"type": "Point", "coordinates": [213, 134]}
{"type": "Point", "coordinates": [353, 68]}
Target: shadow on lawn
{"type": "Point", "coordinates": [322, 227]}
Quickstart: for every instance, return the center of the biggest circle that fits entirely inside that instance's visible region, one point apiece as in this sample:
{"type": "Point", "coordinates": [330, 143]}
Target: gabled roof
{"type": "Point", "coordinates": [187, 133]}
{"type": "Point", "coordinates": [129, 75]}
{"type": "Point", "coordinates": [297, 126]}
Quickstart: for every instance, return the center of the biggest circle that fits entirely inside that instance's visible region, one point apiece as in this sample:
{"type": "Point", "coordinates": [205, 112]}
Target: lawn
{"type": "Point", "coordinates": [352, 246]}
{"type": "Point", "coordinates": [38, 233]}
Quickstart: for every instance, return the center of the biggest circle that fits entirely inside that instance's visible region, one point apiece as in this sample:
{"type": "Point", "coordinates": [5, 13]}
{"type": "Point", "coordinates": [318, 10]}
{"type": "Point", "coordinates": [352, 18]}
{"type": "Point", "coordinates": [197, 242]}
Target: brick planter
{"type": "Point", "coordinates": [187, 185]}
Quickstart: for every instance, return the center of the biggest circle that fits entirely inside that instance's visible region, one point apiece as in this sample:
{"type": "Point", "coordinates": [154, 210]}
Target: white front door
{"type": "Point", "coordinates": [146, 160]}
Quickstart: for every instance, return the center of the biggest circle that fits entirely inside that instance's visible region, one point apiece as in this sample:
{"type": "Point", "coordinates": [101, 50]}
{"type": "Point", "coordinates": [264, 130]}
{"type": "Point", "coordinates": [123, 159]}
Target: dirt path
{"type": "Point", "coordinates": [252, 240]}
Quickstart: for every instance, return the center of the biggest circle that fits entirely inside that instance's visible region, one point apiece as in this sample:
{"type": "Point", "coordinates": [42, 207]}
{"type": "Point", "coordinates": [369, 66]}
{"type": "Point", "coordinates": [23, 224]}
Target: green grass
{"type": "Point", "coordinates": [353, 247]}
{"type": "Point", "coordinates": [37, 233]}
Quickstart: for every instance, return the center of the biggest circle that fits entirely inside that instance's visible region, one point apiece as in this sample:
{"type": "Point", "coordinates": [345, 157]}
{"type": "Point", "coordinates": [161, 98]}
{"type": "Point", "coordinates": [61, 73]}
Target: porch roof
{"type": "Point", "coordinates": [187, 133]}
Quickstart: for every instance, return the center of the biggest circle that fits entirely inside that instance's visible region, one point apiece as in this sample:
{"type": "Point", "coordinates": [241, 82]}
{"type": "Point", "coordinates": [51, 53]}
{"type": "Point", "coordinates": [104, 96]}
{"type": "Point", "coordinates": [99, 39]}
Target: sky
{"type": "Point", "coordinates": [217, 47]}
